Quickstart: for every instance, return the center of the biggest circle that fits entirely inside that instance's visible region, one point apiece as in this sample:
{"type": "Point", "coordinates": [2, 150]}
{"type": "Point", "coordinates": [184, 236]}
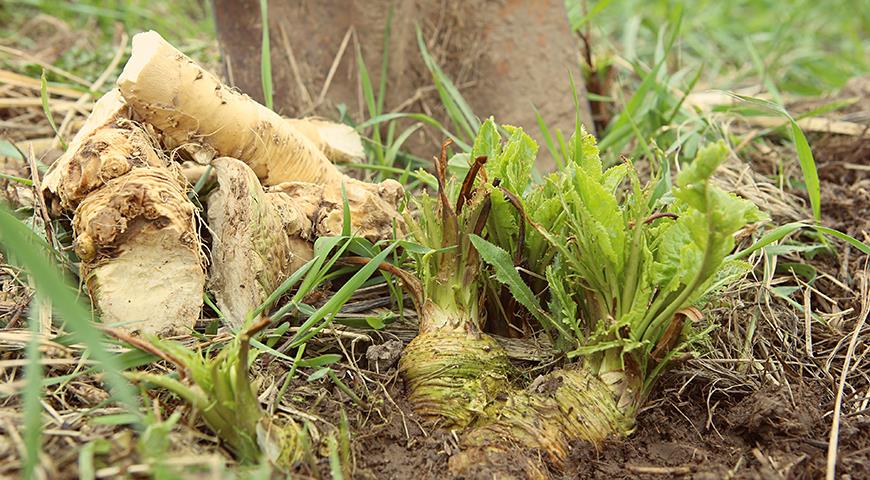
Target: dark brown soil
{"type": "Point", "coordinates": [763, 435]}
{"type": "Point", "coordinates": [776, 432]}
{"type": "Point", "coordinates": [844, 172]}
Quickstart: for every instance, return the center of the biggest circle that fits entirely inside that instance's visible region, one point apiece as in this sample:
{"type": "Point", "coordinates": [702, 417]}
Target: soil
{"type": "Point", "coordinates": [775, 432]}
{"type": "Point", "coordinates": [760, 436]}
{"type": "Point", "coordinates": [843, 163]}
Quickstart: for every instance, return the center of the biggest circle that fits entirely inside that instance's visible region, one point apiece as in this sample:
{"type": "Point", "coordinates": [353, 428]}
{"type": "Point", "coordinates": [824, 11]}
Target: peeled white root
{"type": "Point", "coordinates": [259, 239]}
{"type": "Point", "coordinates": [140, 252]}
{"type": "Point", "coordinates": [193, 110]}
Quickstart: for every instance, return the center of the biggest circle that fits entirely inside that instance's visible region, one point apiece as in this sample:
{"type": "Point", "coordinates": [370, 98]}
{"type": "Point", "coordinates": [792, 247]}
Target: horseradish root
{"type": "Point", "coordinates": [453, 376]}
{"type": "Point", "coordinates": [370, 215]}
{"type": "Point", "coordinates": [194, 110]}
{"type": "Point", "coordinates": [140, 251]}
{"type": "Point", "coordinates": [260, 238]}
{"type": "Point", "coordinates": [134, 227]}
{"type": "Point", "coordinates": [339, 142]}
{"type": "Point", "coordinates": [563, 407]}
{"type": "Point", "coordinates": [96, 155]}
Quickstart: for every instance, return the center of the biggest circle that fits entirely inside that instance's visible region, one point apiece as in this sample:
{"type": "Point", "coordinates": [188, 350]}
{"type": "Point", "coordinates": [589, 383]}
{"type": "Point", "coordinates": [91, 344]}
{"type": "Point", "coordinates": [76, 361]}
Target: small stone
{"type": "Point", "coordinates": [382, 357]}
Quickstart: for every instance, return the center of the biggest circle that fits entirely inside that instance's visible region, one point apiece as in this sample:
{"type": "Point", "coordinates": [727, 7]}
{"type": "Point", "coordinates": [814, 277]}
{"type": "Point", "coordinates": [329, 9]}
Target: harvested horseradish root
{"type": "Point", "coordinates": [193, 110]}
{"type": "Point", "coordinates": [135, 224]}
{"type": "Point", "coordinates": [135, 228]}
{"type": "Point", "coordinates": [259, 239]}
{"type": "Point", "coordinates": [140, 251]}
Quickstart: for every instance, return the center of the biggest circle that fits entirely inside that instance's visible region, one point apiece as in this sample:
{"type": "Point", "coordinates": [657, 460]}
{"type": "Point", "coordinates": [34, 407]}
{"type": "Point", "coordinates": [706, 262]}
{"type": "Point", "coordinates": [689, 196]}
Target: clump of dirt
{"type": "Point", "coordinates": [769, 413]}
{"type": "Point", "coordinates": [385, 355]}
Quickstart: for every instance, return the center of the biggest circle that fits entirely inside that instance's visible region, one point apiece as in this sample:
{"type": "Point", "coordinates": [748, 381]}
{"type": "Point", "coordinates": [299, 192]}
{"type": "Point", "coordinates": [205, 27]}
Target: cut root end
{"type": "Point", "coordinates": [140, 252]}
{"type": "Point", "coordinates": [260, 239]}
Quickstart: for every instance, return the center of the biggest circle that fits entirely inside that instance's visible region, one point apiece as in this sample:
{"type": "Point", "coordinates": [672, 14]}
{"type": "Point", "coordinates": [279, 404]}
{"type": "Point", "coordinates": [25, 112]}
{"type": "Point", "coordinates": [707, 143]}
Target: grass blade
{"type": "Point", "coordinates": [33, 392]}
{"type": "Point", "coordinates": [861, 246]}
{"type": "Point", "coordinates": [458, 109]}
{"type": "Point", "coordinates": [329, 309]}
{"type": "Point", "coordinates": [548, 139]}
{"type": "Point", "coordinates": [774, 235]}
{"type": "Point", "coordinates": [335, 468]}
{"type": "Point", "coordinates": [13, 178]}
{"type": "Point", "coordinates": [22, 245]}
{"type": "Point", "coordinates": [808, 167]}
{"type": "Point", "coordinates": [266, 55]}
{"type": "Point", "coordinates": [387, 117]}
{"type": "Point", "coordinates": [576, 16]}
{"type": "Point", "coordinates": [45, 108]}
{"type": "Point", "coordinates": [802, 146]}
{"type": "Point", "coordinates": [618, 130]}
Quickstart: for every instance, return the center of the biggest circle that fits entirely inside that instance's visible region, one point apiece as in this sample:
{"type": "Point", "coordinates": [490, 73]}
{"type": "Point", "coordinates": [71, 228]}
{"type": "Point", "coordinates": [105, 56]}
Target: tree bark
{"type": "Point", "coordinates": [506, 56]}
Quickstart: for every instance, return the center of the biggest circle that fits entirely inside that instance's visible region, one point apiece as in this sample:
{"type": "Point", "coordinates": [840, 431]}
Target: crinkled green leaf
{"type": "Point", "coordinates": [503, 220]}
{"type": "Point", "coordinates": [613, 176]}
{"type": "Point", "coordinates": [544, 208]}
{"type": "Point", "coordinates": [488, 141]}
{"type": "Point", "coordinates": [583, 151]}
{"type": "Point", "coordinates": [563, 309]}
{"type": "Point", "coordinates": [514, 164]}
{"type": "Point", "coordinates": [600, 216]}
{"type": "Point", "coordinates": [676, 245]}
{"type": "Point", "coordinates": [703, 166]}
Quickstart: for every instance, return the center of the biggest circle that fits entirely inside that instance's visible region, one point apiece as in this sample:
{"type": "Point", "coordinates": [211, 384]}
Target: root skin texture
{"type": "Point", "coordinates": [564, 406]}
{"type": "Point", "coordinates": [260, 239]}
{"type": "Point", "coordinates": [134, 227]}
{"type": "Point", "coordinates": [140, 252]}
{"type": "Point", "coordinates": [96, 155]}
{"type": "Point", "coordinates": [190, 106]}
{"type": "Point", "coordinates": [454, 376]}
{"type": "Point", "coordinates": [371, 215]}
{"type": "Point", "coordinates": [339, 142]}
{"type": "Point", "coordinates": [194, 110]}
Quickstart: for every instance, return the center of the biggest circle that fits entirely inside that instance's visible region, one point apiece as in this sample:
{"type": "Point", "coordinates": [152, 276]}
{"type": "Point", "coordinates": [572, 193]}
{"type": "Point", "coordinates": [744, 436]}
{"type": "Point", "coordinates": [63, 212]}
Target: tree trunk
{"type": "Point", "coordinates": [506, 56]}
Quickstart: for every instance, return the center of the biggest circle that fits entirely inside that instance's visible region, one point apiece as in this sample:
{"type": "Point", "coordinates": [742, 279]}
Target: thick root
{"type": "Point", "coordinates": [140, 252]}
{"type": "Point", "coordinates": [190, 106]}
{"type": "Point", "coordinates": [371, 216]}
{"type": "Point", "coordinates": [96, 155]}
{"type": "Point", "coordinates": [563, 407]}
{"type": "Point", "coordinates": [194, 110]}
{"type": "Point", "coordinates": [454, 377]}
{"type": "Point", "coordinates": [339, 142]}
{"type": "Point", "coordinates": [260, 239]}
